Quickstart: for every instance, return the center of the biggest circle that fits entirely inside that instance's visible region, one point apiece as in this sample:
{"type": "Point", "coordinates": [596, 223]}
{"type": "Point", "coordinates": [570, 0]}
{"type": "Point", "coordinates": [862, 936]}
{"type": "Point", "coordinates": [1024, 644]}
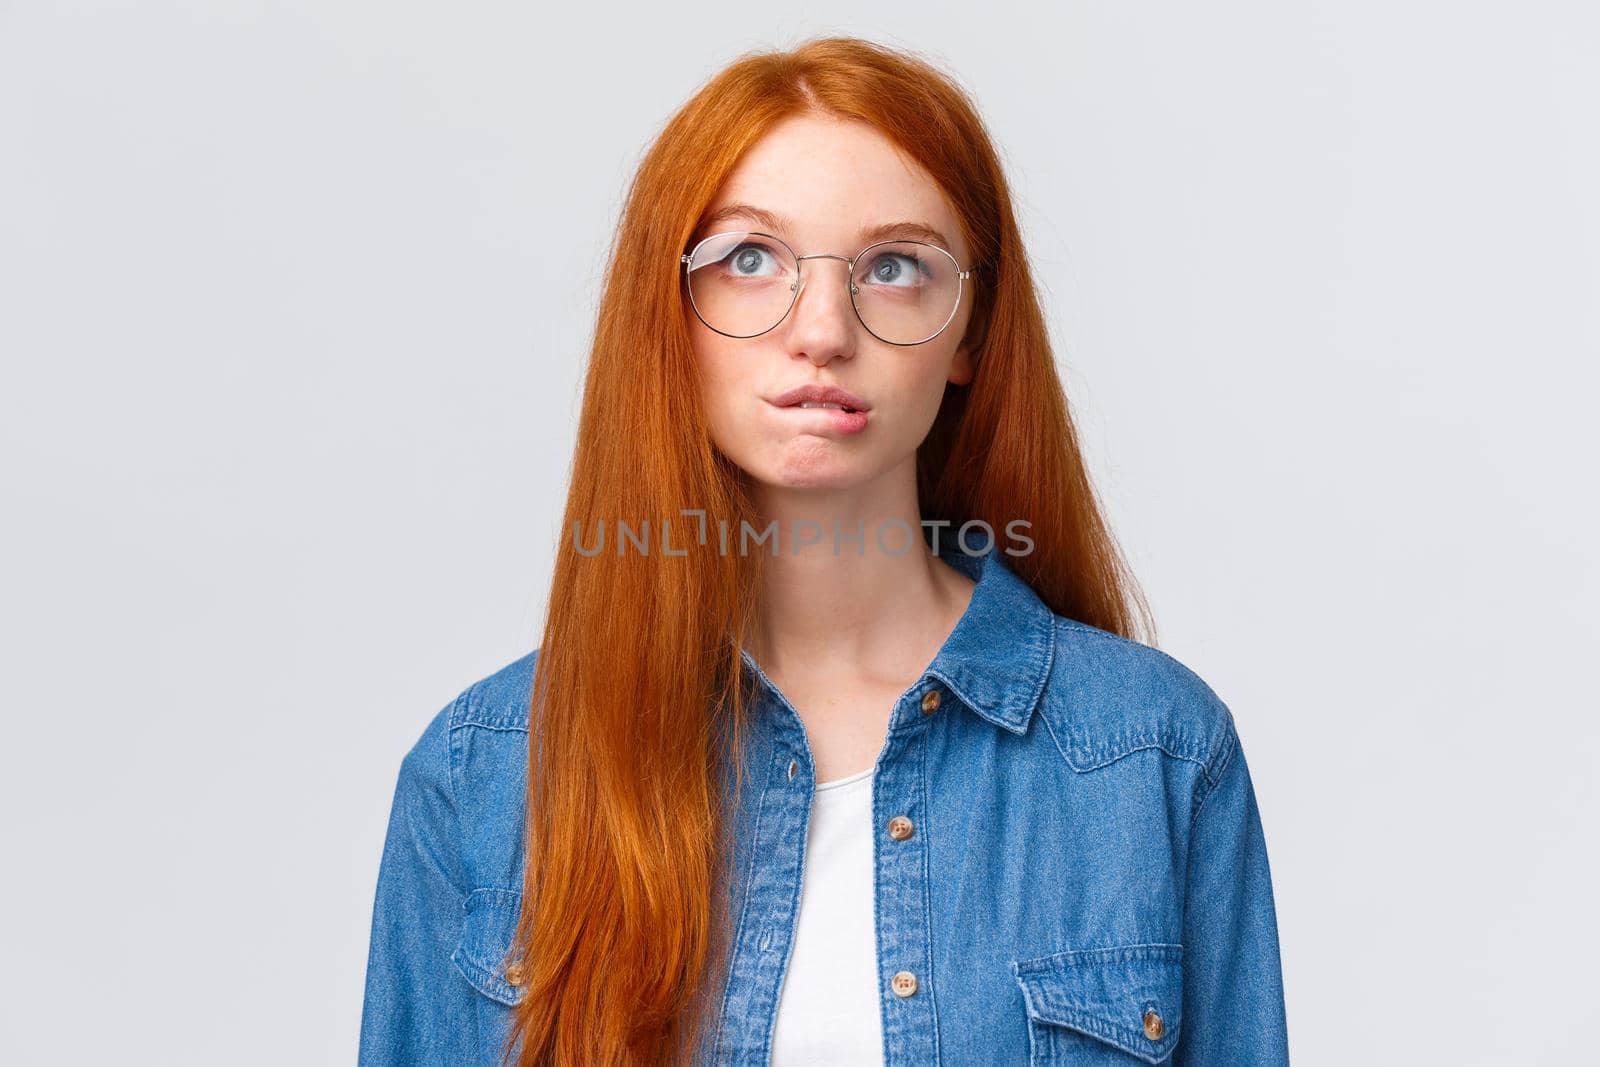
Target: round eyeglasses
{"type": "Point", "coordinates": [742, 284]}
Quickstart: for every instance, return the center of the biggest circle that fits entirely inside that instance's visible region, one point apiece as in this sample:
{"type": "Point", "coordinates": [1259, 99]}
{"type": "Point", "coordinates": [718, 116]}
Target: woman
{"type": "Point", "coordinates": [857, 760]}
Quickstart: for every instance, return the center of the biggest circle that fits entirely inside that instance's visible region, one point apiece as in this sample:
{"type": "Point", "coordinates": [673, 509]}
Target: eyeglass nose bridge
{"type": "Point", "coordinates": [850, 265]}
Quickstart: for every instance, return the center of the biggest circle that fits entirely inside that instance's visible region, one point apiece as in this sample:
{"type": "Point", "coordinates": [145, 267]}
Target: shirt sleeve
{"type": "Point", "coordinates": [418, 1009]}
{"type": "Point", "coordinates": [1233, 1008]}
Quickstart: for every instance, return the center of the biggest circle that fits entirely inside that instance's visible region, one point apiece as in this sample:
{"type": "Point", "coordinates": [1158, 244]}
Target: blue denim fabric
{"type": "Point", "coordinates": [1086, 881]}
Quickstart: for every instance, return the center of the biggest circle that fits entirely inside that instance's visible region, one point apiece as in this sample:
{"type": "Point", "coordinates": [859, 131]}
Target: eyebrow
{"type": "Point", "coordinates": [884, 231]}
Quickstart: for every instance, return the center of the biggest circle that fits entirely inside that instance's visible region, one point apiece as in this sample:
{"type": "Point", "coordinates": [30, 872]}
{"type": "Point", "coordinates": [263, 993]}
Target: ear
{"type": "Point", "coordinates": [965, 363]}
{"type": "Point", "coordinates": [961, 367]}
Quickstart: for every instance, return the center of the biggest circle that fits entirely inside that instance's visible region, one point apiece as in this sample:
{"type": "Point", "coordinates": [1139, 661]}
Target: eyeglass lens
{"type": "Point", "coordinates": [744, 283]}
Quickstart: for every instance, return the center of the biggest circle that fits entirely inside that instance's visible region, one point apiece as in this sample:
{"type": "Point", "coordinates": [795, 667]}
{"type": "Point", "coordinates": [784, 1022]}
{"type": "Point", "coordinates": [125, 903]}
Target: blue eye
{"type": "Point", "coordinates": [750, 260]}
{"type": "Point", "coordinates": [899, 269]}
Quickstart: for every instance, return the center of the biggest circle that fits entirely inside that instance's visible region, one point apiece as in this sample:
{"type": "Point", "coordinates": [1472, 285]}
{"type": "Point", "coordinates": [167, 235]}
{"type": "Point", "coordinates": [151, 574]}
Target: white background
{"type": "Point", "coordinates": [294, 303]}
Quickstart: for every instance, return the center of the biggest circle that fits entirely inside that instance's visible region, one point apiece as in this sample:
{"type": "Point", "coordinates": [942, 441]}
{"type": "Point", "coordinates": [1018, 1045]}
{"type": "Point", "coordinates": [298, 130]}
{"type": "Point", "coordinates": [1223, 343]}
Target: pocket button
{"type": "Point", "coordinates": [1153, 1026]}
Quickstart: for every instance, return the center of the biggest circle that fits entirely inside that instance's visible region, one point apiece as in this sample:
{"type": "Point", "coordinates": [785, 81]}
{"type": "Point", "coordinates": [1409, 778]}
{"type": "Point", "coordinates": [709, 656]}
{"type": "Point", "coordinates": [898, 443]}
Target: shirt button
{"type": "Point", "coordinates": [792, 765]}
{"type": "Point", "coordinates": [900, 828]}
{"type": "Point", "coordinates": [930, 702]}
{"type": "Point", "coordinates": [904, 983]}
{"type": "Point", "coordinates": [1153, 1026]}
{"type": "Point", "coordinates": [514, 974]}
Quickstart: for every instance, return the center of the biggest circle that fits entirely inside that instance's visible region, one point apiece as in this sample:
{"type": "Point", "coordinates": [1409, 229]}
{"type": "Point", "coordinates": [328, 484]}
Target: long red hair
{"type": "Point", "coordinates": [637, 700]}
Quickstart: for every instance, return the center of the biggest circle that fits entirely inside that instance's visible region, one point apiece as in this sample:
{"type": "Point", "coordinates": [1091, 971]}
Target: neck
{"type": "Point", "coordinates": [868, 602]}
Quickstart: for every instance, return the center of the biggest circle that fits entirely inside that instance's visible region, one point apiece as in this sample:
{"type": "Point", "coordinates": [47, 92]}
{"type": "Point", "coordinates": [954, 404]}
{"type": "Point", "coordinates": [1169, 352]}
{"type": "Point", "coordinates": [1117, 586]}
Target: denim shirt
{"type": "Point", "coordinates": [1069, 862]}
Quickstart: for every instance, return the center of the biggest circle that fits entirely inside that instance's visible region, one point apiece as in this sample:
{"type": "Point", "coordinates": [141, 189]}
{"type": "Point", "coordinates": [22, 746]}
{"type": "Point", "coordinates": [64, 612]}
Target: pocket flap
{"type": "Point", "coordinates": [487, 930]}
{"type": "Point", "coordinates": [1110, 994]}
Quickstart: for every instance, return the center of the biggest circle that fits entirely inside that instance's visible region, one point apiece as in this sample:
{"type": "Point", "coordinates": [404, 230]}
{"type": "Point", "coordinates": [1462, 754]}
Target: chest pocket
{"type": "Point", "coordinates": [487, 931]}
{"type": "Point", "coordinates": [1112, 1007]}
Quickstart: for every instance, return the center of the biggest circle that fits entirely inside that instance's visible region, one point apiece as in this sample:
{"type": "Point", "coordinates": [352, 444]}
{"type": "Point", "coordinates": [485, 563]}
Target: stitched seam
{"type": "Point", "coordinates": [1061, 750]}
{"type": "Point", "coordinates": [494, 983]}
{"type": "Point", "coordinates": [497, 889]}
{"type": "Point", "coordinates": [962, 693]}
{"type": "Point", "coordinates": [1213, 764]}
{"type": "Point", "coordinates": [496, 727]}
{"type": "Point", "coordinates": [455, 804]}
{"type": "Point", "coordinates": [744, 904]}
{"type": "Point", "coordinates": [794, 898]}
{"type": "Point", "coordinates": [1123, 1038]}
{"type": "Point", "coordinates": [1088, 1018]}
{"type": "Point", "coordinates": [1055, 740]}
{"type": "Point", "coordinates": [884, 1022]}
{"type": "Point", "coordinates": [1230, 745]}
{"type": "Point", "coordinates": [927, 883]}
{"type": "Point", "coordinates": [1118, 638]}
{"type": "Point", "coordinates": [1160, 951]}
{"type": "Point", "coordinates": [1106, 635]}
{"type": "Point", "coordinates": [1041, 671]}
{"type": "Point", "coordinates": [1034, 1051]}
{"type": "Point", "coordinates": [477, 974]}
{"type": "Point", "coordinates": [1128, 752]}
{"type": "Point", "coordinates": [1222, 751]}
{"type": "Point", "coordinates": [472, 713]}
{"type": "Point", "coordinates": [1046, 656]}
{"type": "Point", "coordinates": [450, 749]}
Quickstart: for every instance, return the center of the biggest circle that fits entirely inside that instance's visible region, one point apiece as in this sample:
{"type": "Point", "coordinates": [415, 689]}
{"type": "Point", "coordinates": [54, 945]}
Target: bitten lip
{"type": "Point", "coordinates": [803, 393]}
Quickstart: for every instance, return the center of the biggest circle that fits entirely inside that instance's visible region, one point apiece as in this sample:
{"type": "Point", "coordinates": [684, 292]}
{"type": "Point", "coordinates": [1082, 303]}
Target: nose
{"type": "Point", "coordinates": [824, 323]}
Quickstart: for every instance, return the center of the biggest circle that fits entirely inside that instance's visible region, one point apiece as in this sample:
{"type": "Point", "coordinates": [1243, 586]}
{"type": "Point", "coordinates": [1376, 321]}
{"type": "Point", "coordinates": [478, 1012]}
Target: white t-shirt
{"type": "Point", "coordinates": [828, 1009]}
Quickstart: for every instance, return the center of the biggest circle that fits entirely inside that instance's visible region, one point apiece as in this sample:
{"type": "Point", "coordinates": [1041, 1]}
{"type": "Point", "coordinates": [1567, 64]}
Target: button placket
{"type": "Point", "coordinates": [901, 887]}
{"type": "Point", "coordinates": [775, 816]}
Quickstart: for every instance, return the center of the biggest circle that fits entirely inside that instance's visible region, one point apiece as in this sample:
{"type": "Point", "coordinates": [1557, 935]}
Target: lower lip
{"type": "Point", "coordinates": [843, 421]}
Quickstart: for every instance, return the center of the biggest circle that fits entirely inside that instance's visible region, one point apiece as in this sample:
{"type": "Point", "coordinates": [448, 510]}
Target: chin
{"type": "Point", "coordinates": [818, 482]}
{"type": "Point", "coordinates": [812, 471]}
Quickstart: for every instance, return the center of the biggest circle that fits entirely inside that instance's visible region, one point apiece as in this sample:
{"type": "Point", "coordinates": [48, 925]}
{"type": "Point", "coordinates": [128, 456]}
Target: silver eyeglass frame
{"type": "Point", "coordinates": [850, 269]}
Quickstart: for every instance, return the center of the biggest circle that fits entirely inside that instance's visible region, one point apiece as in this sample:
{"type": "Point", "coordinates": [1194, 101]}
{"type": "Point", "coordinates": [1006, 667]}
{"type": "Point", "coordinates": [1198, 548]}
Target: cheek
{"type": "Point", "coordinates": [922, 389]}
{"type": "Point", "coordinates": [711, 365]}
{"type": "Point", "coordinates": [721, 374]}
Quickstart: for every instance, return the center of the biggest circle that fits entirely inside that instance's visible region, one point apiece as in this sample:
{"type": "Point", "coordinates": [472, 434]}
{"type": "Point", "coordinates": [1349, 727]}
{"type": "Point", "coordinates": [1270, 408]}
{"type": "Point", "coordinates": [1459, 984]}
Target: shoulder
{"type": "Point", "coordinates": [1108, 696]}
{"type": "Point", "coordinates": [497, 701]}
{"type": "Point", "coordinates": [469, 769]}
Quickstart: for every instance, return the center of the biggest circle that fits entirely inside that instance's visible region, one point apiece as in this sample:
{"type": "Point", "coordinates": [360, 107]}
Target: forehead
{"type": "Point", "coordinates": [833, 179]}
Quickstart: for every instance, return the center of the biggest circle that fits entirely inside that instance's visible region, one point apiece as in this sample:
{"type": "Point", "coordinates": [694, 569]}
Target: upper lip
{"type": "Point", "coordinates": [802, 393]}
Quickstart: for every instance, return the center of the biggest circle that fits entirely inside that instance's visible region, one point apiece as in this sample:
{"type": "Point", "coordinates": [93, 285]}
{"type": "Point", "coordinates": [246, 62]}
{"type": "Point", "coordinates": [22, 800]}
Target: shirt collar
{"type": "Point", "coordinates": [998, 657]}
